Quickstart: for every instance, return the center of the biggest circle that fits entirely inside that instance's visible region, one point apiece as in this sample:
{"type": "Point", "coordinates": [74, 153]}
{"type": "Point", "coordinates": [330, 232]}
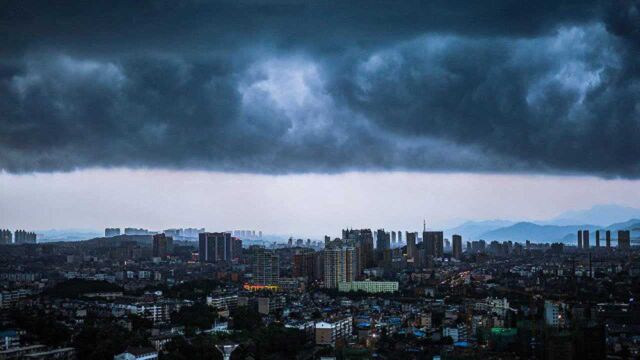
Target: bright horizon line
{"type": "Point", "coordinates": [297, 203]}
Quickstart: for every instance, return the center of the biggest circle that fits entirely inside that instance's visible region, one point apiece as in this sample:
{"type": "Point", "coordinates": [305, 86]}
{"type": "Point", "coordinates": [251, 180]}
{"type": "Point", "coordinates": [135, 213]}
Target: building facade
{"type": "Point", "coordinates": [266, 267]}
{"type": "Point", "coordinates": [457, 247]}
{"type": "Point", "coordinates": [327, 333]}
{"type": "Point", "coordinates": [369, 286]}
{"type": "Point", "coordinates": [215, 247]}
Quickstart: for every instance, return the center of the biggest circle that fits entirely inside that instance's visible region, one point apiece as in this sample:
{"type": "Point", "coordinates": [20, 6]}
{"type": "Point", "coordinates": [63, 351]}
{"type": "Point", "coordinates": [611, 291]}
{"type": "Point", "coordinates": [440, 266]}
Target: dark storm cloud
{"type": "Point", "coordinates": [281, 87]}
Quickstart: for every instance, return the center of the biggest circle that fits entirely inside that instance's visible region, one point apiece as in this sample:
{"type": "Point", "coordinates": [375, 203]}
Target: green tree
{"type": "Point", "coordinates": [246, 318]}
{"type": "Point", "coordinates": [198, 316]}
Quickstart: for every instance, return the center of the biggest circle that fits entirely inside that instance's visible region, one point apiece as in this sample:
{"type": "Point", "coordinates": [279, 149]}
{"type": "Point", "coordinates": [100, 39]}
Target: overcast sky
{"type": "Point", "coordinates": [345, 96]}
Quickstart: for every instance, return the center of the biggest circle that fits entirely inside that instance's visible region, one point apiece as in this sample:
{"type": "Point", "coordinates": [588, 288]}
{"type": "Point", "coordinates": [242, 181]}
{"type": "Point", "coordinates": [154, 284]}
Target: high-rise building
{"type": "Point", "coordinates": [608, 239]}
{"type": "Point", "coordinates": [236, 248]}
{"type": "Point", "coordinates": [266, 267]}
{"type": "Point", "coordinates": [110, 232]}
{"type": "Point", "coordinates": [351, 259]}
{"type": "Point", "coordinates": [215, 247]}
{"type": "Point", "coordinates": [393, 238]}
{"type": "Point", "coordinates": [318, 265]}
{"type": "Point", "coordinates": [6, 237]}
{"type": "Point", "coordinates": [339, 265]}
{"type": "Point", "coordinates": [457, 247]}
{"type": "Point", "coordinates": [433, 243]}
{"type": "Point", "coordinates": [363, 241]}
{"type": "Point", "coordinates": [174, 233]}
{"type": "Point", "coordinates": [440, 245]}
{"type": "Point", "coordinates": [579, 239]}
{"type": "Point", "coordinates": [412, 250]}
{"type": "Point", "coordinates": [135, 231]}
{"type": "Point", "coordinates": [555, 314]}
{"type": "Point", "coordinates": [303, 263]}
{"type": "Point", "coordinates": [400, 237]}
{"type": "Point", "coordinates": [162, 245]}
{"type": "Point", "coordinates": [24, 237]}
{"type": "Point", "coordinates": [383, 241]}
{"type": "Point", "coordinates": [624, 239]}
{"type": "Point", "coordinates": [585, 239]}
{"type": "Point", "coordinates": [597, 239]}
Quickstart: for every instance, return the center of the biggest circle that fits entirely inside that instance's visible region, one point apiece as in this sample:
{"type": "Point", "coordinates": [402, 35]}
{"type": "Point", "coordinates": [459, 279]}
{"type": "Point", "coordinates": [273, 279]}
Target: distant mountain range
{"type": "Point", "coordinates": [562, 228]}
{"type": "Point", "coordinates": [523, 231]}
{"type": "Point", "coordinates": [67, 235]}
{"type": "Point", "coordinates": [474, 229]}
{"type": "Point", "coordinates": [600, 215]}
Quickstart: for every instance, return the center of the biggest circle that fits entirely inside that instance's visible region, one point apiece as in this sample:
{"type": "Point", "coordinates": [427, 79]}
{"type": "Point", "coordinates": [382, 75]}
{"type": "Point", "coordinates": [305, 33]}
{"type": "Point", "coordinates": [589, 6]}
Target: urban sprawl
{"type": "Point", "coordinates": [193, 294]}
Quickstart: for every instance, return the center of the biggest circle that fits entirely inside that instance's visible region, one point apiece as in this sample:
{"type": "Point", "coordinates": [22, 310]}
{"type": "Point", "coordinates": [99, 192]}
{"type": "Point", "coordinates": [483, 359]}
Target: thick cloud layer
{"type": "Point", "coordinates": [282, 87]}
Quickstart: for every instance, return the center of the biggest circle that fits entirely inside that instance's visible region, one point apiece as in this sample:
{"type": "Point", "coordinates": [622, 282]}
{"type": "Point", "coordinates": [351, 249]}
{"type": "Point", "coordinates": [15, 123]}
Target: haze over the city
{"type": "Point", "coordinates": [302, 204]}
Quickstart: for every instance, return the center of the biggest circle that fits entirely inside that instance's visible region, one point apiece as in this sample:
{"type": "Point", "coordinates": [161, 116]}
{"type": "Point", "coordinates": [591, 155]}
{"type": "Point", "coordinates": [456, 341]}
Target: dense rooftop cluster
{"type": "Point", "coordinates": [364, 295]}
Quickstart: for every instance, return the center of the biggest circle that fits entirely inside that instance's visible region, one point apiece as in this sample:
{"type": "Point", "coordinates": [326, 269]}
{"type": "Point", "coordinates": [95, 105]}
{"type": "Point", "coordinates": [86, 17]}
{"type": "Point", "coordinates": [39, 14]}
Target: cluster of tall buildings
{"type": "Point", "coordinates": [185, 234]}
{"type": "Point", "coordinates": [6, 237]}
{"type": "Point", "coordinates": [584, 239]}
{"type": "Point", "coordinates": [162, 245]}
{"type": "Point", "coordinates": [344, 260]}
{"type": "Point", "coordinates": [178, 234]}
{"type": "Point", "coordinates": [19, 237]}
{"type": "Point", "coordinates": [136, 231]}
{"type": "Point", "coordinates": [301, 242]}
{"type": "Point", "coordinates": [111, 232]}
{"type": "Point", "coordinates": [247, 234]}
{"type": "Point", "coordinates": [340, 261]}
{"type": "Point", "coordinates": [218, 246]}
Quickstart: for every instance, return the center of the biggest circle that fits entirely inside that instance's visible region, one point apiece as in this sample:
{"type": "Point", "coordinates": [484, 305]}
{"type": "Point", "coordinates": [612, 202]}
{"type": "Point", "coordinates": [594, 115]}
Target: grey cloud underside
{"type": "Point", "coordinates": [285, 87]}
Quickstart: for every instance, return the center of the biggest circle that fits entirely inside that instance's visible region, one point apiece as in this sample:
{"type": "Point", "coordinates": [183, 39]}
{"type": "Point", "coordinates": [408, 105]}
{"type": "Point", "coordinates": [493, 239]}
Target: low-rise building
{"type": "Point", "coordinates": [137, 353]}
{"type": "Point", "coordinates": [11, 298]}
{"type": "Point", "coordinates": [369, 286]}
{"type": "Point", "coordinates": [67, 353]}
{"type": "Point", "coordinates": [9, 339]}
{"type": "Point", "coordinates": [267, 305]}
{"type": "Point", "coordinates": [328, 332]}
{"type": "Point", "coordinates": [229, 302]}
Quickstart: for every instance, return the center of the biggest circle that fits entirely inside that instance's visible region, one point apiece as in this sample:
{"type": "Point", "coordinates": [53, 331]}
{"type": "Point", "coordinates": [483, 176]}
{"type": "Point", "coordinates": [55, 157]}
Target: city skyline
{"type": "Point", "coordinates": [313, 179]}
